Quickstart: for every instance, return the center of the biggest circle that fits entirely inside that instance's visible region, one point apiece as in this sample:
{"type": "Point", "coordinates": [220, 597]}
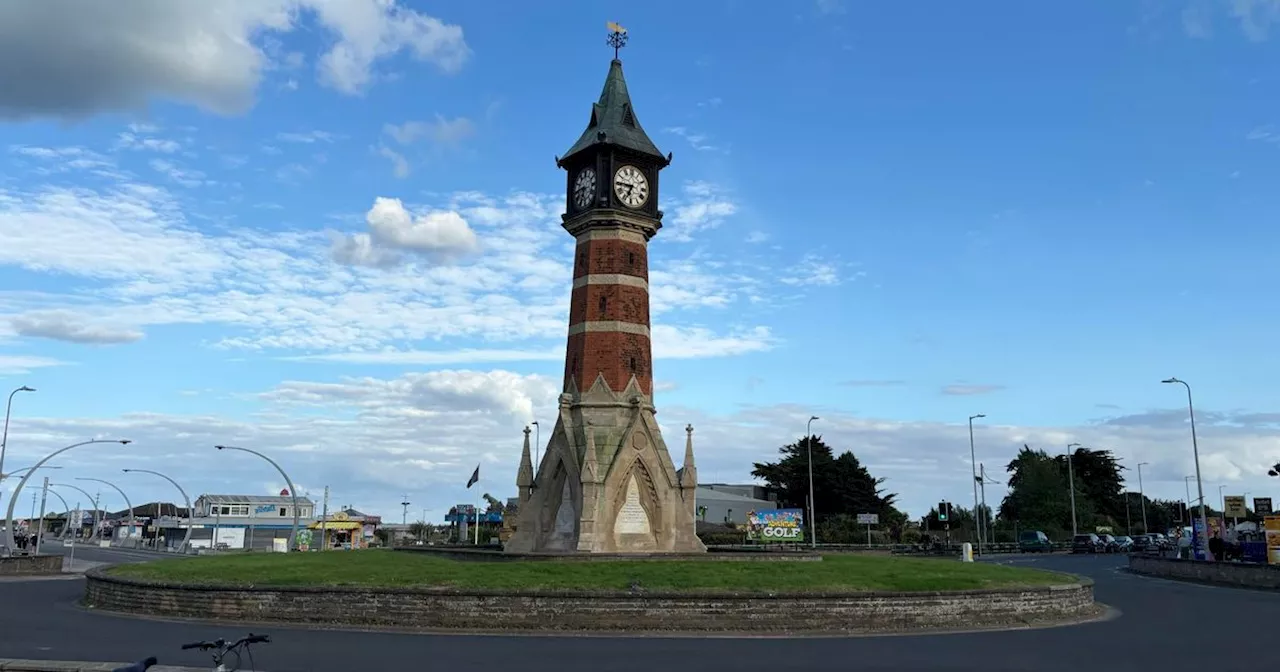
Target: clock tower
{"type": "Point", "coordinates": [606, 482]}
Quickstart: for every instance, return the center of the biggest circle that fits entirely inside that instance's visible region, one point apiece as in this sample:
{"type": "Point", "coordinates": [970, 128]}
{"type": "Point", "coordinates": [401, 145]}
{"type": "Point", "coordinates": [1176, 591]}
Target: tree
{"type": "Point", "coordinates": [841, 485]}
{"type": "Point", "coordinates": [1038, 493]}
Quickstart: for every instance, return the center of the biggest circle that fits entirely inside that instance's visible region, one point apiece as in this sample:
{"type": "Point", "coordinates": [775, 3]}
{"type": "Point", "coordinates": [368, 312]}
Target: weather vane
{"type": "Point", "coordinates": [617, 37]}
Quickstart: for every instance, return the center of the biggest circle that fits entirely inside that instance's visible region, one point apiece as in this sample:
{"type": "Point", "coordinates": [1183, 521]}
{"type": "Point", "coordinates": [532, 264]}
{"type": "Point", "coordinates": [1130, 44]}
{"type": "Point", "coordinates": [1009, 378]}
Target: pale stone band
{"type": "Point", "coordinates": [608, 326]}
{"type": "Point", "coordinates": [612, 234]}
{"type": "Point", "coordinates": [611, 279]}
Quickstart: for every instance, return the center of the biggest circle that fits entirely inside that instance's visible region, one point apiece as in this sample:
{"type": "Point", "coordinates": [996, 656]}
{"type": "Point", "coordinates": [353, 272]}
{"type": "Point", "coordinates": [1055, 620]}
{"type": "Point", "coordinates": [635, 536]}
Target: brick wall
{"type": "Point", "coordinates": [1225, 573]}
{"type": "Point", "coordinates": [22, 565]}
{"type": "Point", "coordinates": [550, 610]}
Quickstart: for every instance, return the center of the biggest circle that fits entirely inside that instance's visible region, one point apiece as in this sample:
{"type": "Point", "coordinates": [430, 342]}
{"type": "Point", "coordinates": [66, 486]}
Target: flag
{"type": "Point", "coordinates": [475, 476]}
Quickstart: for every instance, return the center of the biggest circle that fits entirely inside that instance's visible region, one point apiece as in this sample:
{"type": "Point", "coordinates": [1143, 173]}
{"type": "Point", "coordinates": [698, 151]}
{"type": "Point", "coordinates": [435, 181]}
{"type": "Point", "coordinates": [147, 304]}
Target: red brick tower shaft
{"type": "Point", "coordinates": [609, 312]}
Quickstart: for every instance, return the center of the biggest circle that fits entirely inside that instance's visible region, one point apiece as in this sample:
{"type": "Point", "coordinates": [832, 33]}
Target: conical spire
{"type": "Point", "coordinates": [689, 472]}
{"type": "Point", "coordinates": [524, 476]}
{"type": "Point", "coordinates": [613, 120]}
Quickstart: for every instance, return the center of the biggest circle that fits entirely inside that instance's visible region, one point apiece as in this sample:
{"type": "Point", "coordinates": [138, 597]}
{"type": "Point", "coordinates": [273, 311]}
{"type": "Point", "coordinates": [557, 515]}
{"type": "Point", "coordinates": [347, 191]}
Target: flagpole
{"type": "Point", "coordinates": [478, 511]}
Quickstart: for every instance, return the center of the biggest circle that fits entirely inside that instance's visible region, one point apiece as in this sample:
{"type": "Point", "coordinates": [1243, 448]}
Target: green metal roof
{"type": "Point", "coordinates": [615, 118]}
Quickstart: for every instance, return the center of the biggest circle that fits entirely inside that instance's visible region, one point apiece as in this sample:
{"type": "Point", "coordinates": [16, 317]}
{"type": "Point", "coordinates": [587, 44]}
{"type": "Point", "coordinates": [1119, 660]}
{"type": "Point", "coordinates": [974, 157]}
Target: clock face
{"type": "Point", "coordinates": [584, 188]}
{"type": "Point", "coordinates": [630, 186]}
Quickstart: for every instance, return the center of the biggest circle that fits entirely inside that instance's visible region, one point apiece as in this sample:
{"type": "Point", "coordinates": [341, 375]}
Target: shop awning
{"type": "Point", "coordinates": [338, 525]}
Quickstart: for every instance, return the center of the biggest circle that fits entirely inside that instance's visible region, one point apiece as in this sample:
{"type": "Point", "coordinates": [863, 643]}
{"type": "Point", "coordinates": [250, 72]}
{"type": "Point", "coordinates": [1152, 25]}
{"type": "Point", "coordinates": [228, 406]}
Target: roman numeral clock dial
{"type": "Point", "coordinates": [584, 188]}
{"type": "Point", "coordinates": [630, 186]}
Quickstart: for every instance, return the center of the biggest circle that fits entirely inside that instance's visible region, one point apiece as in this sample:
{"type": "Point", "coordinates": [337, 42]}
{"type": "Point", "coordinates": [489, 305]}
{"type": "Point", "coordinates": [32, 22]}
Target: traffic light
{"type": "Point", "coordinates": [943, 510]}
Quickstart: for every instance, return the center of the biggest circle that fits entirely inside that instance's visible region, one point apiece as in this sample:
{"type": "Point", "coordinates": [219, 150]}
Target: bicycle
{"type": "Point", "coordinates": [221, 649]}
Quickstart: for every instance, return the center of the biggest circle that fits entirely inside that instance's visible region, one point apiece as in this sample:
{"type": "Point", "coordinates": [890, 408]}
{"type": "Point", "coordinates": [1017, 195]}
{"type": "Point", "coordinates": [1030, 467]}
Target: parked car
{"type": "Point", "coordinates": [1034, 541]}
{"type": "Point", "coordinates": [1086, 543]}
{"type": "Point", "coordinates": [1123, 544]}
{"type": "Point", "coordinates": [1143, 543]}
{"type": "Point", "coordinates": [1108, 543]}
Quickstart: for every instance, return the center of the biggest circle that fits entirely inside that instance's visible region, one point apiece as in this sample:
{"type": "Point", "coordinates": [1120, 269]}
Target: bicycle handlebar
{"type": "Point", "coordinates": [222, 643]}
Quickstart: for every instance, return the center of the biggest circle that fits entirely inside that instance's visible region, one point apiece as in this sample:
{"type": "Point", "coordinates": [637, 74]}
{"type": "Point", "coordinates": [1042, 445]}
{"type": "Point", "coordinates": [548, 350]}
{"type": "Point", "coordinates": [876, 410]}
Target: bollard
{"type": "Point", "coordinates": [966, 552]}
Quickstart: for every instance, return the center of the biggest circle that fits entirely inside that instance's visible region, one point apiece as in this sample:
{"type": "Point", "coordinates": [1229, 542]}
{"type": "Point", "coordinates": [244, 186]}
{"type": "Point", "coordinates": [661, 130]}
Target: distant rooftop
{"type": "Point", "coordinates": [252, 499]}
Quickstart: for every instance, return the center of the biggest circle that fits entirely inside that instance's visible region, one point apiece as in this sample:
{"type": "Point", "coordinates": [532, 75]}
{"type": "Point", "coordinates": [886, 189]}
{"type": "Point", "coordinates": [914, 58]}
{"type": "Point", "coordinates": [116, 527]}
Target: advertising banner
{"type": "Point", "coordinates": [1262, 506]}
{"type": "Point", "coordinates": [1234, 507]}
{"type": "Point", "coordinates": [1272, 526]}
{"type": "Point", "coordinates": [776, 526]}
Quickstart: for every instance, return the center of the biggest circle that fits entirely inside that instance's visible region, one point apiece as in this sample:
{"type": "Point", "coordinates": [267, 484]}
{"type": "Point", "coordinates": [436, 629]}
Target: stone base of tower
{"type": "Point", "coordinates": [606, 483]}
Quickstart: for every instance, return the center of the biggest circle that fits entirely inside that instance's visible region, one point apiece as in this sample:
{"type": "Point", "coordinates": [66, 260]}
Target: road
{"type": "Point", "coordinates": [1163, 625]}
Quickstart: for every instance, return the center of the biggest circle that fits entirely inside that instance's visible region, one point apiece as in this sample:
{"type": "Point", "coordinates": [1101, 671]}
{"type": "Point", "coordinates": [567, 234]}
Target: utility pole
{"type": "Point", "coordinates": [404, 516]}
{"type": "Point", "coordinates": [324, 519]}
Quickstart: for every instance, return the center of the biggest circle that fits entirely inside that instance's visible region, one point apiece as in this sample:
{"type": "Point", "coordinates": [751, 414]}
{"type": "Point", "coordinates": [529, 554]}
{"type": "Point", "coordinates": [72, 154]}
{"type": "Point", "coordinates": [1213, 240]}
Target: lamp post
{"type": "Point", "coordinates": [4, 438]}
{"type": "Point", "coordinates": [1071, 481]}
{"type": "Point", "coordinates": [88, 496]}
{"type": "Point", "coordinates": [973, 466]}
{"type": "Point", "coordinates": [186, 540]}
{"type": "Point", "coordinates": [293, 492]}
{"type": "Point", "coordinates": [65, 507]}
{"type": "Point", "coordinates": [813, 517]}
{"type": "Point", "coordinates": [113, 486]}
{"type": "Point", "coordinates": [1143, 497]}
{"type": "Point", "coordinates": [1195, 451]}
{"type": "Point", "coordinates": [8, 534]}
{"type": "Point", "coordinates": [1186, 485]}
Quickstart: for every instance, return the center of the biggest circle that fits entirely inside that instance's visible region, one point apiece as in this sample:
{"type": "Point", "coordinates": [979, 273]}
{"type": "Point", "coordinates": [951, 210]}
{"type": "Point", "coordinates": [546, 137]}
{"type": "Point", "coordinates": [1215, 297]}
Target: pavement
{"type": "Point", "coordinates": [1164, 625]}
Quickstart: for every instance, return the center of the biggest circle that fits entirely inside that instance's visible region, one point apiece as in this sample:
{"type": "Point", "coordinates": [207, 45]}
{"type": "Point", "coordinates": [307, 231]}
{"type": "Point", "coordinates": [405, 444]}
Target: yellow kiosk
{"type": "Point", "coordinates": [339, 531]}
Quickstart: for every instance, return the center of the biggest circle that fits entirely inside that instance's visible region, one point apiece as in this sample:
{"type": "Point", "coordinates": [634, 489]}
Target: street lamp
{"type": "Point", "coordinates": [96, 524]}
{"type": "Point", "coordinates": [973, 466]}
{"type": "Point", "coordinates": [1195, 451]}
{"type": "Point", "coordinates": [129, 533]}
{"type": "Point", "coordinates": [4, 438]}
{"type": "Point", "coordinates": [8, 534]}
{"type": "Point", "coordinates": [813, 518]}
{"type": "Point", "coordinates": [293, 492]}
{"type": "Point", "coordinates": [1071, 480]}
{"type": "Point", "coordinates": [1143, 496]}
{"type": "Point", "coordinates": [1186, 485]}
{"type": "Point", "coordinates": [186, 540]}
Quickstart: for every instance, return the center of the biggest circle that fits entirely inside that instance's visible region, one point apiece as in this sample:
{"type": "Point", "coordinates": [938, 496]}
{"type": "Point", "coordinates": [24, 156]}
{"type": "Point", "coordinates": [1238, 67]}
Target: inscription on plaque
{"type": "Point", "coordinates": [632, 518]}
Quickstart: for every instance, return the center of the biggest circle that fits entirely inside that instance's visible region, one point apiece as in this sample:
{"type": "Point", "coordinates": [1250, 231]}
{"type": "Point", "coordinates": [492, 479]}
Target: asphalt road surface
{"type": "Point", "coordinates": [1163, 625]}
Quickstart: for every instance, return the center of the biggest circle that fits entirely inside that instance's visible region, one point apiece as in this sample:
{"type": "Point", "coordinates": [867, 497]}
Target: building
{"type": "Point", "coordinates": [238, 521]}
{"type": "Point", "coordinates": [345, 528]}
{"type": "Point", "coordinates": [606, 482]}
{"type": "Point", "coordinates": [720, 503]}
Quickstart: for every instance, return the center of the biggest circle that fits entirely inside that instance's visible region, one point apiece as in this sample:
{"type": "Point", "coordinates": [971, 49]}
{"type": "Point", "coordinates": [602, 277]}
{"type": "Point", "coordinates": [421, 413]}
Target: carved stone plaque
{"type": "Point", "coordinates": [638, 441]}
{"type": "Point", "coordinates": [632, 518]}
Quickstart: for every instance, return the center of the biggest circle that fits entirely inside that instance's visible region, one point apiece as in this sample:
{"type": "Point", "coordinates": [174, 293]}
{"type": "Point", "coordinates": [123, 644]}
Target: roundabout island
{"type": "Point", "coordinates": [837, 594]}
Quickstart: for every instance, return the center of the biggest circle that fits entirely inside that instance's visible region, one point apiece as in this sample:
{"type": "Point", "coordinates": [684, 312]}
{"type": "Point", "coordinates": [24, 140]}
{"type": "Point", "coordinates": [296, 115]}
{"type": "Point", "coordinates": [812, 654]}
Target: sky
{"type": "Point", "coordinates": [329, 231]}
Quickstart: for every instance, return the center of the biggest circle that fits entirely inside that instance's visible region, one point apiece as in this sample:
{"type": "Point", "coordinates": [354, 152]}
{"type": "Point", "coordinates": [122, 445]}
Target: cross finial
{"type": "Point", "coordinates": [617, 37]}
{"type": "Point", "coordinates": [688, 429]}
{"type": "Point", "coordinates": [527, 430]}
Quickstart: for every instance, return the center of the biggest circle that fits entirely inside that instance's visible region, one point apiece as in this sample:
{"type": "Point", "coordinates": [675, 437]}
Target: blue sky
{"type": "Point", "coordinates": [892, 217]}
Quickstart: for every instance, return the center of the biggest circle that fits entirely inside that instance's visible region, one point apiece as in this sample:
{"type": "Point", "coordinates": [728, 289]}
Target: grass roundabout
{"type": "Point", "coordinates": [836, 573]}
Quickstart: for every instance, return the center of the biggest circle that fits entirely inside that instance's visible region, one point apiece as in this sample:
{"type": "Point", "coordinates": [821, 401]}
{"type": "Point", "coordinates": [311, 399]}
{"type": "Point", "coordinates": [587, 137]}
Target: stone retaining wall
{"type": "Point", "coordinates": [30, 565]}
{"type": "Point", "coordinates": [496, 554]}
{"type": "Point", "coordinates": [441, 609]}
{"type": "Point", "coordinates": [1241, 574]}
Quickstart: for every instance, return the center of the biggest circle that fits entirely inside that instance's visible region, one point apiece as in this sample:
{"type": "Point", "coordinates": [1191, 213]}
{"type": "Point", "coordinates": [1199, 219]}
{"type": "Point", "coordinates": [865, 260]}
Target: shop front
{"type": "Point", "coordinates": [339, 531]}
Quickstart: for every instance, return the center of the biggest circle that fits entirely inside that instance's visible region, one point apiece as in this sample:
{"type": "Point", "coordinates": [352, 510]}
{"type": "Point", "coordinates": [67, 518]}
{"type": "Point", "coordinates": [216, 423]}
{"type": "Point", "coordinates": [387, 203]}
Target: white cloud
{"type": "Point", "coordinates": [19, 364]}
{"type": "Point", "coordinates": [137, 142]}
{"type": "Point", "coordinates": [441, 236]}
{"type": "Point", "coordinates": [700, 206]}
{"type": "Point", "coordinates": [69, 59]}
{"type": "Point", "coordinates": [440, 131]}
{"type": "Point", "coordinates": [399, 164]}
{"type": "Point", "coordinates": [812, 270]}
{"type": "Point", "coordinates": [374, 439]}
{"type": "Point", "coordinates": [307, 137]}
{"type": "Point", "coordinates": [137, 261]}
{"type": "Point", "coordinates": [698, 141]}
{"type": "Point", "coordinates": [61, 325]}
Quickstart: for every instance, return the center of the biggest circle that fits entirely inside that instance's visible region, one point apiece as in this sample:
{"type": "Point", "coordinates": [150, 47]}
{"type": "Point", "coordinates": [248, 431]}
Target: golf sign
{"type": "Point", "coordinates": [776, 526]}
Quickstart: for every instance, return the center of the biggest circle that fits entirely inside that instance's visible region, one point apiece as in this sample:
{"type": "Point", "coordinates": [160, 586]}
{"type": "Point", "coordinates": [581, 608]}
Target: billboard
{"type": "Point", "coordinates": [1262, 506]}
{"type": "Point", "coordinates": [776, 526]}
{"type": "Point", "coordinates": [1234, 507]}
